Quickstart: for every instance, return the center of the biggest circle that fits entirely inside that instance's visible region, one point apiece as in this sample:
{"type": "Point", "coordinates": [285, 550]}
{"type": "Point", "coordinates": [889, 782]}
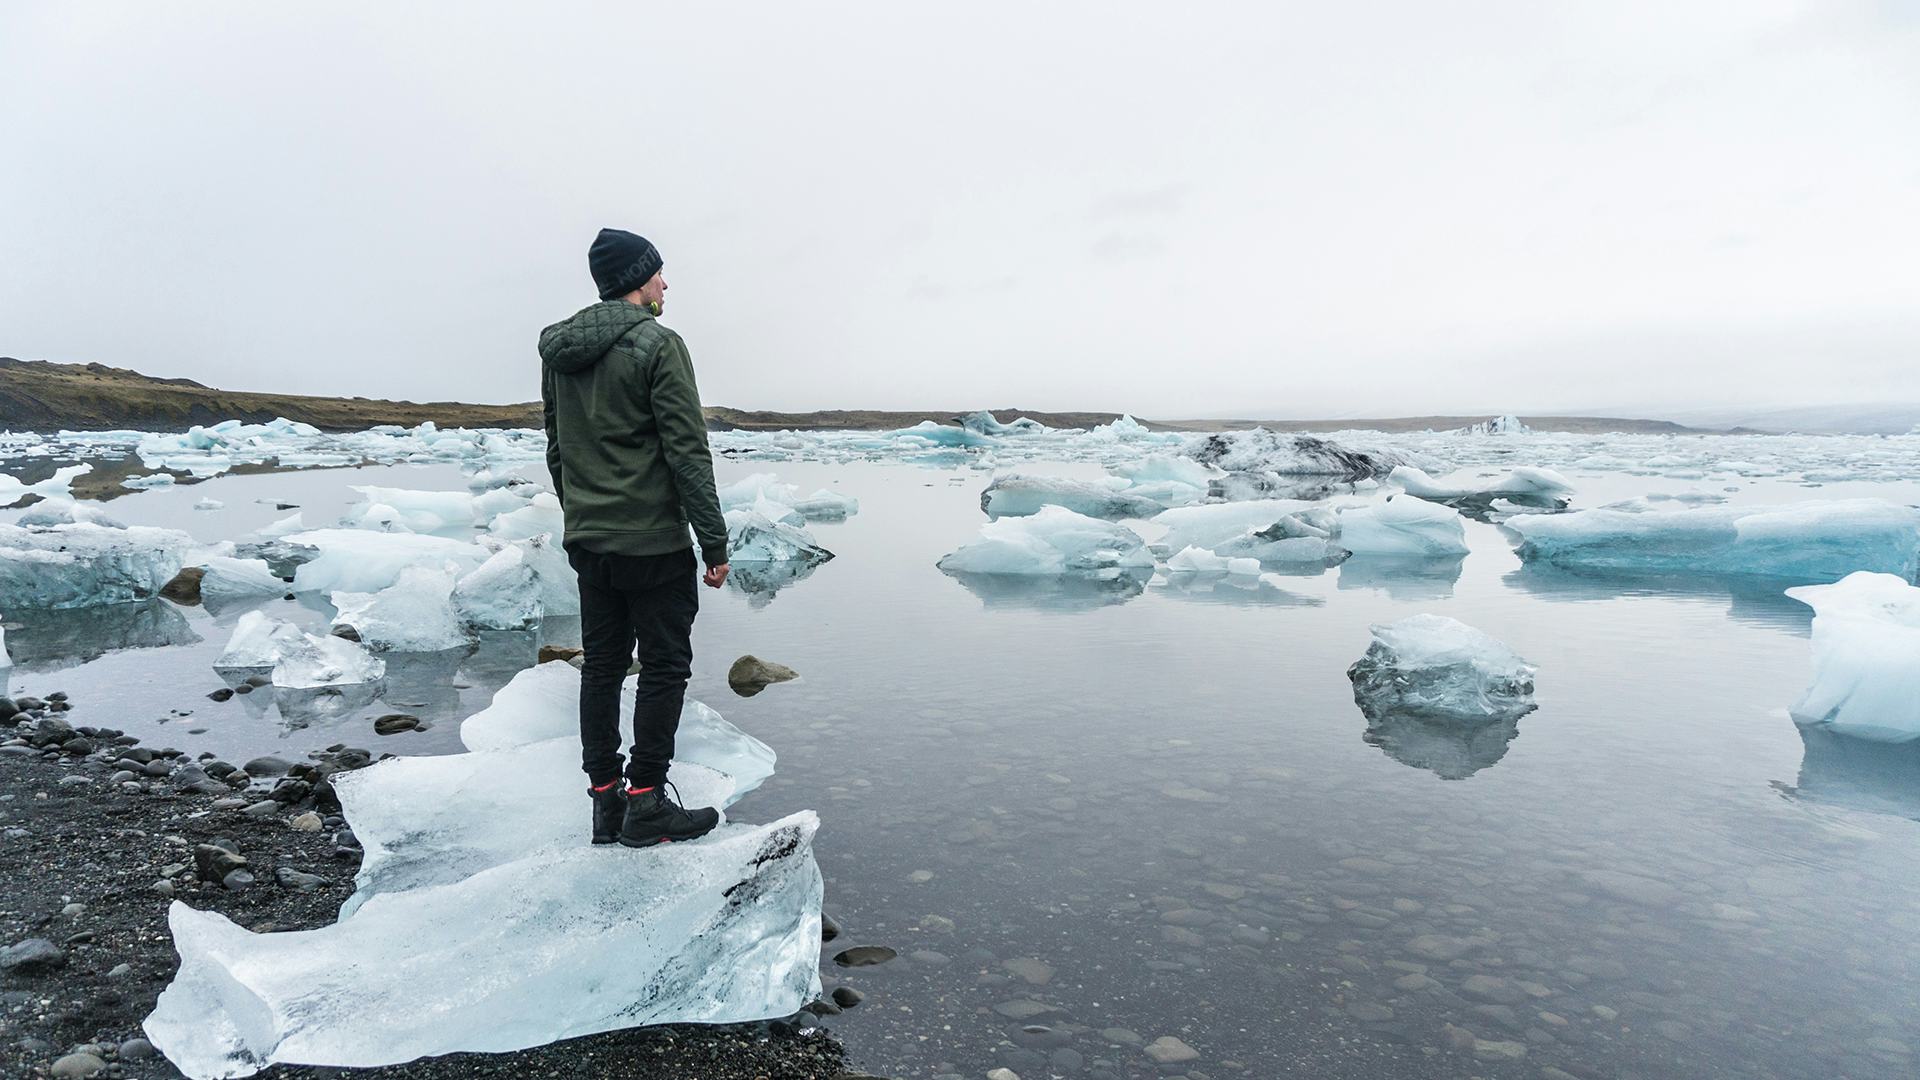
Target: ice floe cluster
{"type": "Point", "coordinates": [479, 904]}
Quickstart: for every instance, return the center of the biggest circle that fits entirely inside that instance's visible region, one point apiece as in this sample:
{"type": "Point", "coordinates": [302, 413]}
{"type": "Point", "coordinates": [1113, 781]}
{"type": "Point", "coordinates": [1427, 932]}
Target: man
{"type": "Point", "coordinates": [627, 447]}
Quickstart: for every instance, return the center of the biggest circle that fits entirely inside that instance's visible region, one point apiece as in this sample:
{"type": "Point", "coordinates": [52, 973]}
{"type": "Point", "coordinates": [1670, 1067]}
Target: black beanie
{"type": "Point", "coordinates": [621, 262]}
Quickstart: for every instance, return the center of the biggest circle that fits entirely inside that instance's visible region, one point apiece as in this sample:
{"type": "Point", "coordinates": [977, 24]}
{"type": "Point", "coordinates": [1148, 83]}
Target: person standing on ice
{"type": "Point", "coordinates": [627, 448]}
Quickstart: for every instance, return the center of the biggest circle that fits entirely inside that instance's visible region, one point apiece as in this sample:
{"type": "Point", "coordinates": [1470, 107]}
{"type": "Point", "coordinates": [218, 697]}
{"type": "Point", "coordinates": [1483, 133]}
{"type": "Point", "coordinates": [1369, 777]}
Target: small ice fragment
{"type": "Point", "coordinates": [209, 504]}
{"type": "Point", "coordinates": [1866, 658]}
{"type": "Point", "coordinates": [298, 659]}
{"type": "Point", "coordinates": [59, 511]}
{"type": "Point", "coordinates": [755, 537]}
{"type": "Point", "coordinates": [228, 579]}
{"type": "Point", "coordinates": [1193, 560]}
{"type": "Point", "coordinates": [1437, 666]}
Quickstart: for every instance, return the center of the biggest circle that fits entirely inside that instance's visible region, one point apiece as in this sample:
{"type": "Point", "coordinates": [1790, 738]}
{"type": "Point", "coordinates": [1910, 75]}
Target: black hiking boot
{"type": "Point", "coordinates": [609, 807]}
{"type": "Point", "coordinates": [652, 818]}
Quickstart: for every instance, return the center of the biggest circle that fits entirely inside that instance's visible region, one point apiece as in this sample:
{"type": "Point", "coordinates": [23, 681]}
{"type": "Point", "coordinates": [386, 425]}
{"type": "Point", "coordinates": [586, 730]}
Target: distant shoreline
{"type": "Point", "coordinates": [38, 395]}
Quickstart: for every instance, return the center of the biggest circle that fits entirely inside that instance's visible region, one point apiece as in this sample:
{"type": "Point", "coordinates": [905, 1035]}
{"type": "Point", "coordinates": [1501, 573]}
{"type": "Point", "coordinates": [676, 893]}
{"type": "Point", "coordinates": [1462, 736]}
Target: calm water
{"type": "Point", "coordinates": [1090, 820]}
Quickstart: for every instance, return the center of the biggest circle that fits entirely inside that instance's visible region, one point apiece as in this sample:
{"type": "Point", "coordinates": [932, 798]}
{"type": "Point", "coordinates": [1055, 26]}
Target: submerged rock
{"type": "Point", "coordinates": [749, 675]}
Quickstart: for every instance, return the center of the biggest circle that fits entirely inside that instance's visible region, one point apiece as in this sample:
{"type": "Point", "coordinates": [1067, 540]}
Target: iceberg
{"type": "Point", "coordinates": [1816, 541]}
{"type": "Point", "coordinates": [1021, 494]}
{"type": "Point", "coordinates": [755, 537]}
{"type": "Point", "coordinates": [227, 580]}
{"type": "Point", "coordinates": [524, 752]}
{"type": "Point", "coordinates": [1526, 486]}
{"type": "Point", "coordinates": [1507, 424]}
{"type": "Point", "coordinates": [414, 614]}
{"type": "Point", "coordinates": [1052, 541]}
{"type": "Point", "coordinates": [1866, 658]}
{"type": "Point", "coordinates": [540, 516]}
{"type": "Point", "coordinates": [927, 432]}
{"type": "Point", "coordinates": [825, 505]}
{"type": "Point", "coordinates": [502, 593]}
{"type": "Point", "coordinates": [298, 659]}
{"type": "Point", "coordinates": [561, 943]}
{"type": "Point", "coordinates": [985, 423]}
{"type": "Point", "coordinates": [1193, 560]}
{"type": "Point", "coordinates": [1124, 428]}
{"type": "Point", "coordinates": [422, 511]}
{"type": "Point", "coordinates": [84, 564]}
{"type": "Point", "coordinates": [1261, 451]}
{"type": "Point", "coordinates": [1271, 530]}
{"type": "Point", "coordinates": [1435, 666]}
{"type": "Point", "coordinates": [55, 510]}
{"type": "Point", "coordinates": [1402, 526]}
{"type": "Point", "coordinates": [353, 560]}
{"type": "Point", "coordinates": [750, 489]}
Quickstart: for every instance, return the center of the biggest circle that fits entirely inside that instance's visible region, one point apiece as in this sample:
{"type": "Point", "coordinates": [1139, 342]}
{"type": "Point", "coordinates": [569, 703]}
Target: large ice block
{"type": "Point", "coordinates": [1866, 658]}
{"type": "Point", "coordinates": [1271, 530]}
{"type": "Point", "coordinates": [1262, 451]}
{"type": "Point", "coordinates": [1402, 526]}
{"type": "Point", "coordinates": [83, 564]}
{"type": "Point", "coordinates": [1020, 494]}
{"type": "Point", "coordinates": [414, 614]}
{"type": "Point", "coordinates": [502, 593]}
{"type": "Point", "coordinates": [561, 943]}
{"type": "Point", "coordinates": [1052, 541]}
{"type": "Point", "coordinates": [541, 515]}
{"type": "Point", "coordinates": [1435, 666]}
{"type": "Point", "coordinates": [228, 580]}
{"type": "Point", "coordinates": [55, 510]}
{"type": "Point", "coordinates": [423, 511]}
{"type": "Point", "coordinates": [1526, 485]}
{"type": "Point", "coordinates": [1816, 541]}
{"type": "Point", "coordinates": [417, 828]}
{"type": "Point", "coordinates": [353, 560]}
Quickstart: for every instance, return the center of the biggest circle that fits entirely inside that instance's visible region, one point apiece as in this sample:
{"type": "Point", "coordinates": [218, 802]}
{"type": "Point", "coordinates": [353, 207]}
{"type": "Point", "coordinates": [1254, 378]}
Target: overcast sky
{"type": "Point", "coordinates": [1257, 209]}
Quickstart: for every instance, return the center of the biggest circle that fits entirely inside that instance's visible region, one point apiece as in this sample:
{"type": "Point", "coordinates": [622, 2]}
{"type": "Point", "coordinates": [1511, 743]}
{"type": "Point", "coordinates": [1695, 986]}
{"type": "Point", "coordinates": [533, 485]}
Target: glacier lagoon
{"type": "Point", "coordinates": [1150, 807]}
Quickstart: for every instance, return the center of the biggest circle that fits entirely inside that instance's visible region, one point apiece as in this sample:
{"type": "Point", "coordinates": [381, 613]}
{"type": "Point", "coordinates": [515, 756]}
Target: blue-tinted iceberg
{"type": "Point", "coordinates": [1402, 526]}
{"type": "Point", "coordinates": [1866, 658]}
{"type": "Point", "coordinates": [1053, 541]}
{"type": "Point", "coordinates": [1435, 666]}
{"type": "Point", "coordinates": [1021, 494]}
{"type": "Point", "coordinates": [84, 565]}
{"type": "Point", "coordinates": [1814, 541]}
{"type": "Point", "coordinates": [1271, 530]}
{"type": "Point", "coordinates": [755, 536]}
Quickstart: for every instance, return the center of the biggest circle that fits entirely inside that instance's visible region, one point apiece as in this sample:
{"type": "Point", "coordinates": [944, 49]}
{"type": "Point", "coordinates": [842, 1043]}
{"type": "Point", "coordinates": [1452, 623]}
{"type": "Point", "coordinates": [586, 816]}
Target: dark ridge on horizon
{"type": "Point", "coordinates": [41, 395]}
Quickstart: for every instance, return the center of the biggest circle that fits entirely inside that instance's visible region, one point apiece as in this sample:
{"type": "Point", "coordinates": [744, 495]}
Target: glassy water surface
{"type": "Point", "coordinates": [1091, 819]}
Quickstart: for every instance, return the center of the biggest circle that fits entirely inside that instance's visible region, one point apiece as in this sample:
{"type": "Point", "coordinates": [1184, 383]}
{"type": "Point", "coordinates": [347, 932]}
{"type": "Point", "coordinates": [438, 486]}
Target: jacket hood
{"type": "Point", "coordinates": [581, 340]}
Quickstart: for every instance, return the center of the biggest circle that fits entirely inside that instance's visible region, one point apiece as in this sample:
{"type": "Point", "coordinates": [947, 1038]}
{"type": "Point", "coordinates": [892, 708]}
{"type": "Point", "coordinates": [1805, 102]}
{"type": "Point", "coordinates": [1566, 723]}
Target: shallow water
{"type": "Point", "coordinates": [1163, 812]}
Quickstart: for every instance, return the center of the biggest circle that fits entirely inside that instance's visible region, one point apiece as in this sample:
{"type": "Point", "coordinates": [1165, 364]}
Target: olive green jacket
{"type": "Point", "coordinates": [626, 438]}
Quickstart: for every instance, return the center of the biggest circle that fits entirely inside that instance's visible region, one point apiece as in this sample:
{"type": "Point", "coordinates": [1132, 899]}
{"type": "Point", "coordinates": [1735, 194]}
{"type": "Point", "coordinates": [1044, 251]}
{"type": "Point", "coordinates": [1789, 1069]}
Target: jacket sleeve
{"type": "Point", "coordinates": [553, 433]}
{"type": "Point", "coordinates": [683, 437]}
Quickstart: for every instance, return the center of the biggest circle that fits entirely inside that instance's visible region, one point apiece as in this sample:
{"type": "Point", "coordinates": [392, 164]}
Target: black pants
{"type": "Point", "coordinates": [629, 601]}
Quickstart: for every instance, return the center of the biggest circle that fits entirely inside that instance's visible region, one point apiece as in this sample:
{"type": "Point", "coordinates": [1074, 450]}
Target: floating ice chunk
{"type": "Point", "coordinates": [1167, 479]}
{"type": "Point", "coordinates": [985, 423]}
{"type": "Point", "coordinates": [825, 505]}
{"type": "Point", "coordinates": [209, 504]}
{"type": "Point", "coordinates": [1271, 530]}
{"type": "Point", "coordinates": [1402, 526]}
{"type": "Point", "coordinates": [1262, 451]}
{"type": "Point", "coordinates": [1507, 424]}
{"type": "Point", "coordinates": [419, 511]}
{"type": "Point", "coordinates": [1123, 429]}
{"type": "Point", "coordinates": [298, 659]}
{"type": "Point", "coordinates": [1866, 658]}
{"type": "Point", "coordinates": [1813, 541]}
{"type": "Point", "coordinates": [1436, 666]}
{"type": "Point", "coordinates": [754, 537]}
{"type": "Point", "coordinates": [152, 480]}
{"type": "Point", "coordinates": [721, 930]}
{"type": "Point", "coordinates": [1020, 494]}
{"type": "Point", "coordinates": [228, 579]}
{"type": "Point", "coordinates": [493, 502]}
{"type": "Point", "coordinates": [1526, 484]}
{"type": "Point", "coordinates": [55, 510]}
{"type": "Point", "coordinates": [286, 526]}
{"type": "Point", "coordinates": [750, 489]}
{"type": "Point", "coordinates": [12, 490]}
{"type": "Point", "coordinates": [1193, 560]}
{"type": "Point", "coordinates": [503, 593]}
{"type": "Point", "coordinates": [84, 564]}
{"type": "Point", "coordinates": [414, 614]}
{"type": "Point", "coordinates": [541, 516]}
{"type": "Point", "coordinates": [935, 434]}
{"type": "Point", "coordinates": [378, 517]}
{"type": "Point", "coordinates": [353, 560]}
{"type": "Point", "coordinates": [1052, 541]}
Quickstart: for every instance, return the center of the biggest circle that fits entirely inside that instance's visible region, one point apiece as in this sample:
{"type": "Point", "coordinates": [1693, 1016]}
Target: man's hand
{"type": "Point", "coordinates": [715, 576]}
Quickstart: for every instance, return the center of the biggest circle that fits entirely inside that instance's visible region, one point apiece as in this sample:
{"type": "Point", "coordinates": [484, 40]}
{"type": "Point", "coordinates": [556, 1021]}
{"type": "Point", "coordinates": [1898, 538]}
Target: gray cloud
{"type": "Point", "coordinates": [860, 205]}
